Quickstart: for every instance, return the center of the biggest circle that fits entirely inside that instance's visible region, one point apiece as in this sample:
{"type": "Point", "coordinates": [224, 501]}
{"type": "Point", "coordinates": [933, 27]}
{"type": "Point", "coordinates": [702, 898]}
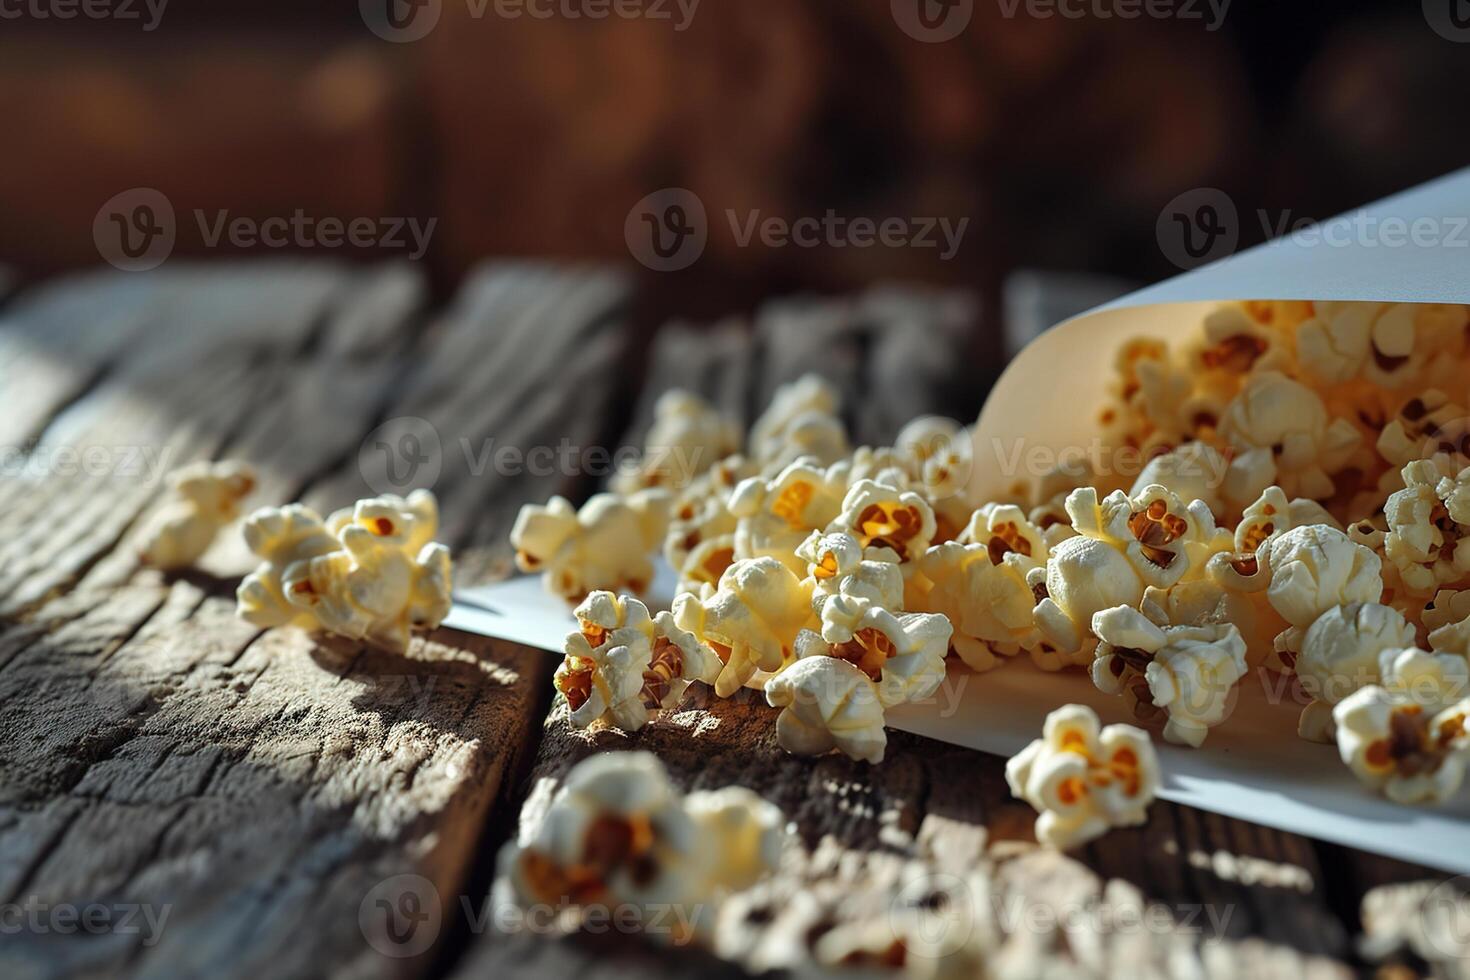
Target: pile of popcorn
{"type": "Point", "coordinates": [371, 572]}
{"type": "Point", "coordinates": [1301, 511]}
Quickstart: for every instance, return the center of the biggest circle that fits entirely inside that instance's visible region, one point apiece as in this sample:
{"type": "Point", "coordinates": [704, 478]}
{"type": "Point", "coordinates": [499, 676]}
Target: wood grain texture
{"type": "Point", "coordinates": [258, 791]}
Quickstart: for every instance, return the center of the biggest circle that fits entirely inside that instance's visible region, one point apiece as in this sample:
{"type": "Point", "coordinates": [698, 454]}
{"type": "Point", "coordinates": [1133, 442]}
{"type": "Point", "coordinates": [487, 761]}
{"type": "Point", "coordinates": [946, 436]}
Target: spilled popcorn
{"type": "Point", "coordinates": [203, 498]}
{"type": "Point", "coordinates": [1300, 508]}
{"type": "Point", "coordinates": [371, 572]}
{"type": "Point", "coordinates": [619, 836]}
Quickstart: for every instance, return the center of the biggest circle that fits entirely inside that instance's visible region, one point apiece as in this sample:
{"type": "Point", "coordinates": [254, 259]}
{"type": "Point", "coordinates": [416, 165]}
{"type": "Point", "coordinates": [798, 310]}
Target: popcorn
{"type": "Point", "coordinates": [1426, 521]}
{"type": "Point", "coordinates": [979, 584]}
{"type": "Point", "coordinates": [387, 579]}
{"type": "Point", "coordinates": [605, 545]}
{"type": "Point", "coordinates": [704, 565]}
{"type": "Point", "coordinates": [1083, 780]}
{"type": "Point", "coordinates": [617, 833]}
{"type": "Point", "coordinates": [837, 565]}
{"type": "Point", "coordinates": [882, 516]}
{"type": "Point", "coordinates": [1395, 746]}
{"type": "Point", "coordinates": [776, 516]}
{"type": "Point", "coordinates": [282, 537]}
{"type": "Point", "coordinates": [687, 437]}
{"type": "Point", "coordinates": [1272, 514]}
{"type": "Point", "coordinates": [1426, 424]}
{"type": "Point", "coordinates": [1284, 436]}
{"type": "Point", "coordinates": [1186, 672]}
{"type": "Point", "coordinates": [828, 703]}
{"type": "Point", "coordinates": [1447, 620]}
{"type": "Point", "coordinates": [750, 620]}
{"type": "Point", "coordinates": [1339, 655]}
{"type": "Point", "coordinates": [801, 420]}
{"type": "Point", "coordinates": [1314, 568]}
{"type": "Point", "coordinates": [939, 454]}
{"type": "Point", "coordinates": [1193, 471]}
{"type": "Point", "coordinates": [204, 498]}
{"type": "Point", "coordinates": [1123, 546]}
{"type": "Point", "coordinates": [1432, 680]}
{"type": "Point", "coordinates": [625, 663]}
{"type": "Point", "coordinates": [701, 510]}
{"type": "Point", "coordinates": [902, 654]}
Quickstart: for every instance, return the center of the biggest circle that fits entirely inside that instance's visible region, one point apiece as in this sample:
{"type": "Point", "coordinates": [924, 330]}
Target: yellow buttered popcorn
{"type": "Point", "coordinates": [701, 511]}
{"type": "Point", "coordinates": [702, 568]}
{"type": "Point", "coordinates": [1186, 673]}
{"type": "Point", "coordinates": [775, 516]}
{"type": "Point", "coordinates": [625, 662]}
{"type": "Point", "coordinates": [619, 835]}
{"type": "Point", "coordinates": [687, 437]}
{"type": "Point", "coordinates": [1340, 654]}
{"type": "Point", "coordinates": [605, 545]}
{"type": "Point", "coordinates": [388, 578]}
{"type": "Point", "coordinates": [801, 420]}
{"type": "Point", "coordinates": [750, 621]}
{"type": "Point", "coordinates": [1427, 520]}
{"type": "Point", "coordinates": [1084, 779]}
{"type": "Point", "coordinates": [1192, 471]}
{"type": "Point", "coordinates": [1396, 746]}
{"type": "Point", "coordinates": [282, 537]}
{"type": "Point", "coordinates": [979, 583]}
{"type": "Point", "coordinates": [827, 703]}
{"type": "Point", "coordinates": [204, 497]}
{"type": "Point", "coordinates": [882, 516]}
{"type": "Point", "coordinates": [1284, 435]}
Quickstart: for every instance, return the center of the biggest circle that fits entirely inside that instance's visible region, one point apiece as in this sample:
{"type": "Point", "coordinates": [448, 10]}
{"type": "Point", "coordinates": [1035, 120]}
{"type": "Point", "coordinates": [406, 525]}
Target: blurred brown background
{"type": "Point", "coordinates": [1060, 139]}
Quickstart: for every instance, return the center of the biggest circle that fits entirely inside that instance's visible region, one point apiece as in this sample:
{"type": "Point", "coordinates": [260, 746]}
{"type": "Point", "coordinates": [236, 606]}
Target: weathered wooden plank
{"type": "Point", "coordinates": [261, 786]}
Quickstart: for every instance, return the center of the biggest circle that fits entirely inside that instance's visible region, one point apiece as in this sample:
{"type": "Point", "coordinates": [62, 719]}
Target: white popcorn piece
{"type": "Point", "coordinates": [750, 620]}
{"type": "Point", "coordinates": [801, 420]}
{"type": "Point", "coordinates": [939, 453]}
{"type": "Point", "coordinates": [703, 567]}
{"type": "Point", "coordinates": [1314, 568]}
{"type": "Point", "coordinates": [1193, 471]}
{"type": "Point", "coordinates": [1340, 654]}
{"type": "Point", "coordinates": [204, 497]}
{"type": "Point", "coordinates": [605, 545]}
{"type": "Point", "coordinates": [882, 516]}
{"type": "Point", "coordinates": [1395, 746]}
{"type": "Point", "coordinates": [282, 537]}
{"type": "Point", "coordinates": [625, 662]}
{"type": "Point", "coordinates": [1186, 672]}
{"type": "Point", "coordinates": [902, 654]}
{"type": "Point", "coordinates": [827, 703]}
{"type": "Point", "coordinates": [979, 583]}
{"type": "Point", "coordinates": [1084, 780]}
{"type": "Point", "coordinates": [1426, 540]}
{"type": "Point", "coordinates": [617, 833]}
{"type": "Point", "coordinates": [1426, 424]}
{"type": "Point", "coordinates": [1434, 681]}
{"type": "Point", "coordinates": [743, 834]}
{"type": "Point", "coordinates": [701, 511]}
{"type": "Point", "coordinates": [1446, 619]}
{"type": "Point", "coordinates": [837, 565]}
{"type": "Point", "coordinates": [775, 516]}
{"type": "Point", "coordinates": [1273, 514]}
{"type": "Point", "coordinates": [687, 437]}
{"type": "Point", "coordinates": [388, 578]}
{"type": "Point", "coordinates": [1284, 436]}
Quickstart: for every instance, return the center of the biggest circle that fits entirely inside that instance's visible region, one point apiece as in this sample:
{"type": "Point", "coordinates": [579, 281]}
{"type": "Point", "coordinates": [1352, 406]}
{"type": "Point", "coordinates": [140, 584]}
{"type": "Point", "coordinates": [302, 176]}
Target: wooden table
{"type": "Point", "coordinates": [264, 789]}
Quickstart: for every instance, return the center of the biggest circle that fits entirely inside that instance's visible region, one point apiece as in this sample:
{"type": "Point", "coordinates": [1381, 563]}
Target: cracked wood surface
{"type": "Point", "coordinates": [265, 791]}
